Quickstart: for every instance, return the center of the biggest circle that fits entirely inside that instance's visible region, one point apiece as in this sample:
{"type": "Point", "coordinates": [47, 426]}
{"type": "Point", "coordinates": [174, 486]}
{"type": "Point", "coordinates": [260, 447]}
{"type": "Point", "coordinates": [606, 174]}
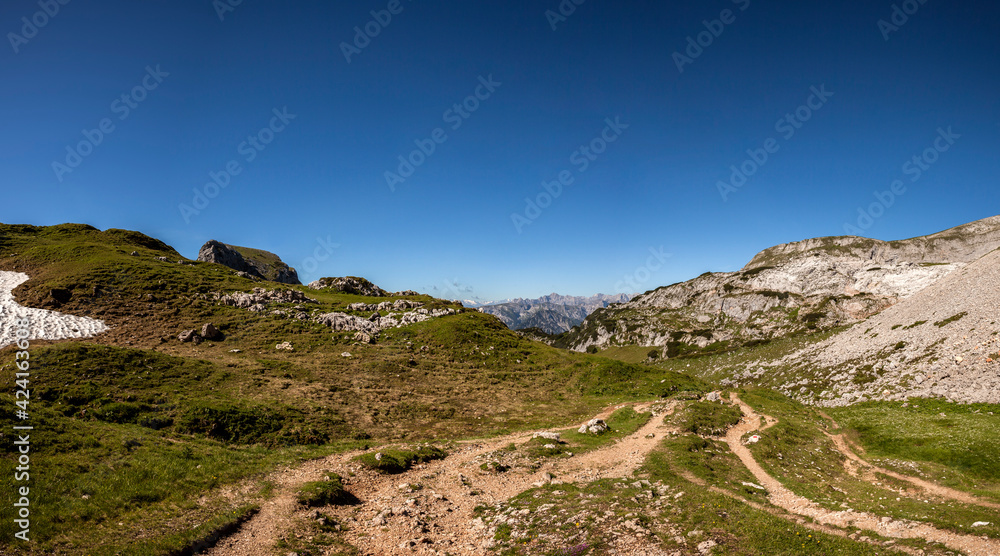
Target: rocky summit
{"type": "Point", "coordinates": [789, 289]}
{"type": "Point", "coordinates": [254, 263]}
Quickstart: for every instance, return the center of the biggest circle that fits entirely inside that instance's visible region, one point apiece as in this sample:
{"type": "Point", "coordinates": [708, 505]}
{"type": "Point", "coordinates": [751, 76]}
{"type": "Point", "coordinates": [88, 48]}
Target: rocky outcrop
{"type": "Point", "coordinates": [784, 290]}
{"type": "Point", "coordinates": [368, 328]}
{"type": "Point", "coordinates": [258, 299]}
{"type": "Point", "coordinates": [942, 342]}
{"type": "Point", "coordinates": [352, 285]}
{"type": "Point", "coordinates": [254, 262]}
{"type": "Point", "coordinates": [552, 313]}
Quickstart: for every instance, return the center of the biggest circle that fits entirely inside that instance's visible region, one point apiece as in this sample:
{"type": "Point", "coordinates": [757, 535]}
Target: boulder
{"type": "Point", "coordinates": [547, 435]}
{"type": "Point", "coordinates": [286, 346]}
{"type": "Point", "coordinates": [210, 332]}
{"type": "Point", "coordinates": [188, 336]}
{"type": "Point", "coordinates": [594, 426]}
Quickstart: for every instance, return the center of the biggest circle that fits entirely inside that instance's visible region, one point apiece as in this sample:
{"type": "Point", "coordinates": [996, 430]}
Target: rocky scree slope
{"type": "Point", "coordinates": [942, 342]}
{"type": "Point", "coordinates": [552, 313]}
{"type": "Point", "coordinates": [253, 263]}
{"type": "Point", "coordinates": [786, 289]}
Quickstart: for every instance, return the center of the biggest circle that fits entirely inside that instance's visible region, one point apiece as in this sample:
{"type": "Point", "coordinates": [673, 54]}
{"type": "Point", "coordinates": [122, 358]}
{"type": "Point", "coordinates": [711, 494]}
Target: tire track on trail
{"type": "Point", "coordinates": [782, 497]}
{"type": "Point", "coordinates": [394, 518]}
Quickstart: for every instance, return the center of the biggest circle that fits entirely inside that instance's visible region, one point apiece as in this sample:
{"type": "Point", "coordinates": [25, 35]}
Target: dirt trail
{"type": "Point", "coordinates": [394, 518]}
{"type": "Point", "coordinates": [885, 526]}
{"type": "Point", "coordinates": [844, 447]}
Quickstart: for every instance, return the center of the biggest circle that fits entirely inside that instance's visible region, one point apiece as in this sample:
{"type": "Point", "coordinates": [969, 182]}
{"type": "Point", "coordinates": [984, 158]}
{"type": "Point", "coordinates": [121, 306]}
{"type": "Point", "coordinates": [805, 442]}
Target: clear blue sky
{"type": "Point", "coordinates": [656, 185]}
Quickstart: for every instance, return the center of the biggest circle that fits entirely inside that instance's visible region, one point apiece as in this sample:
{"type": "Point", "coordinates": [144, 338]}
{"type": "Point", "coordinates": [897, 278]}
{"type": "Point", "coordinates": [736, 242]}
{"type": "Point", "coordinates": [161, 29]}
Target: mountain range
{"type": "Point", "coordinates": [553, 313]}
{"type": "Point", "coordinates": [834, 396]}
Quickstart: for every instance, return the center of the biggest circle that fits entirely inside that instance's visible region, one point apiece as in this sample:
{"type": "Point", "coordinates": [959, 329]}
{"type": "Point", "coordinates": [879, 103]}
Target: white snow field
{"type": "Point", "coordinates": [44, 325]}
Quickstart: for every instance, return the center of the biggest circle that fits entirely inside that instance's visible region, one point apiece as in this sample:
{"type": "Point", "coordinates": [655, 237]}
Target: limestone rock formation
{"type": "Point", "coordinates": [786, 289]}
{"type": "Point", "coordinates": [254, 262]}
{"type": "Point", "coordinates": [349, 284]}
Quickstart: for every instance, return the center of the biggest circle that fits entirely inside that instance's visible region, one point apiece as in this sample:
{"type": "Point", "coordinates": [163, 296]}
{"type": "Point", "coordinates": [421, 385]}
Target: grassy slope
{"type": "Point", "coordinates": [136, 428]}
{"type": "Point", "coordinates": [133, 426]}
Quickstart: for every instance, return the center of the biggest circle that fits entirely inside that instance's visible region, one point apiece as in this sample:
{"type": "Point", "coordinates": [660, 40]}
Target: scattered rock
{"type": "Point", "coordinates": [187, 336]}
{"type": "Point", "coordinates": [594, 426]}
{"type": "Point", "coordinates": [349, 284]}
{"type": "Point", "coordinates": [287, 346]}
{"type": "Point", "coordinates": [210, 332]}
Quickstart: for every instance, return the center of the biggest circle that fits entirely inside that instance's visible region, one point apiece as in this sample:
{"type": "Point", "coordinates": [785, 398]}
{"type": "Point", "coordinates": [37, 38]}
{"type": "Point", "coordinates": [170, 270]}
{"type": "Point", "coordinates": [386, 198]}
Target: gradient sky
{"type": "Point", "coordinates": [448, 228]}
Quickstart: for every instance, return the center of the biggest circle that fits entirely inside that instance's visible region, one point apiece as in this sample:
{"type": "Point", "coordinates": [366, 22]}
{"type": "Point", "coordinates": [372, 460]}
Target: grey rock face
{"type": "Point", "coordinates": [257, 263]}
{"type": "Point", "coordinates": [790, 288]}
{"type": "Point", "coordinates": [552, 313]}
{"type": "Point", "coordinates": [351, 284]}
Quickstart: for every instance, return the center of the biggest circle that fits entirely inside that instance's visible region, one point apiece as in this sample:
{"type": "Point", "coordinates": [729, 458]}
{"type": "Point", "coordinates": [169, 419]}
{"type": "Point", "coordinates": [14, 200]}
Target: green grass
{"type": "Point", "coordinates": [324, 493]}
{"type": "Point", "coordinates": [964, 443]}
{"type": "Point", "coordinates": [392, 460]}
{"type": "Point", "coordinates": [710, 418]}
{"type": "Point", "coordinates": [796, 452]}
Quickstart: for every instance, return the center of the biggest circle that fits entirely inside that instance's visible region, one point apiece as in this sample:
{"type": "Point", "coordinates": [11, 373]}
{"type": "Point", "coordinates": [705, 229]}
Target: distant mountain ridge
{"type": "Point", "coordinates": [553, 313]}
{"type": "Point", "coordinates": [786, 289]}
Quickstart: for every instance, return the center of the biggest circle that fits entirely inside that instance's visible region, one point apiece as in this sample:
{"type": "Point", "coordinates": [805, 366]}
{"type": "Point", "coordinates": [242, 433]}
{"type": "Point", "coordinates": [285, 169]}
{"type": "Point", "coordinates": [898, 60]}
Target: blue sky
{"type": "Point", "coordinates": [311, 185]}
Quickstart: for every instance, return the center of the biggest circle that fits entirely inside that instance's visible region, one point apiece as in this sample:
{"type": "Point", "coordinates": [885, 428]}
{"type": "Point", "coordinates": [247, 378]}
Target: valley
{"type": "Point", "coordinates": [835, 396]}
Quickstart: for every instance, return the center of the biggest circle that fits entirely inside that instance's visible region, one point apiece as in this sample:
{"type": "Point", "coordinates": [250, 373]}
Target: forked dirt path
{"type": "Point", "coordinates": [429, 509]}
{"type": "Point", "coordinates": [844, 447]}
{"type": "Point", "coordinates": [885, 526]}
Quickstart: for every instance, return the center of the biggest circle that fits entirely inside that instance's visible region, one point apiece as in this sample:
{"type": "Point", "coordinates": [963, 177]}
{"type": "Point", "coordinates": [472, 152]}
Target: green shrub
{"type": "Point", "coordinates": [325, 493]}
{"type": "Point", "coordinates": [394, 461]}
{"type": "Point", "coordinates": [592, 349]}
{"type": "Point", "coordinates": [950, 319]}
